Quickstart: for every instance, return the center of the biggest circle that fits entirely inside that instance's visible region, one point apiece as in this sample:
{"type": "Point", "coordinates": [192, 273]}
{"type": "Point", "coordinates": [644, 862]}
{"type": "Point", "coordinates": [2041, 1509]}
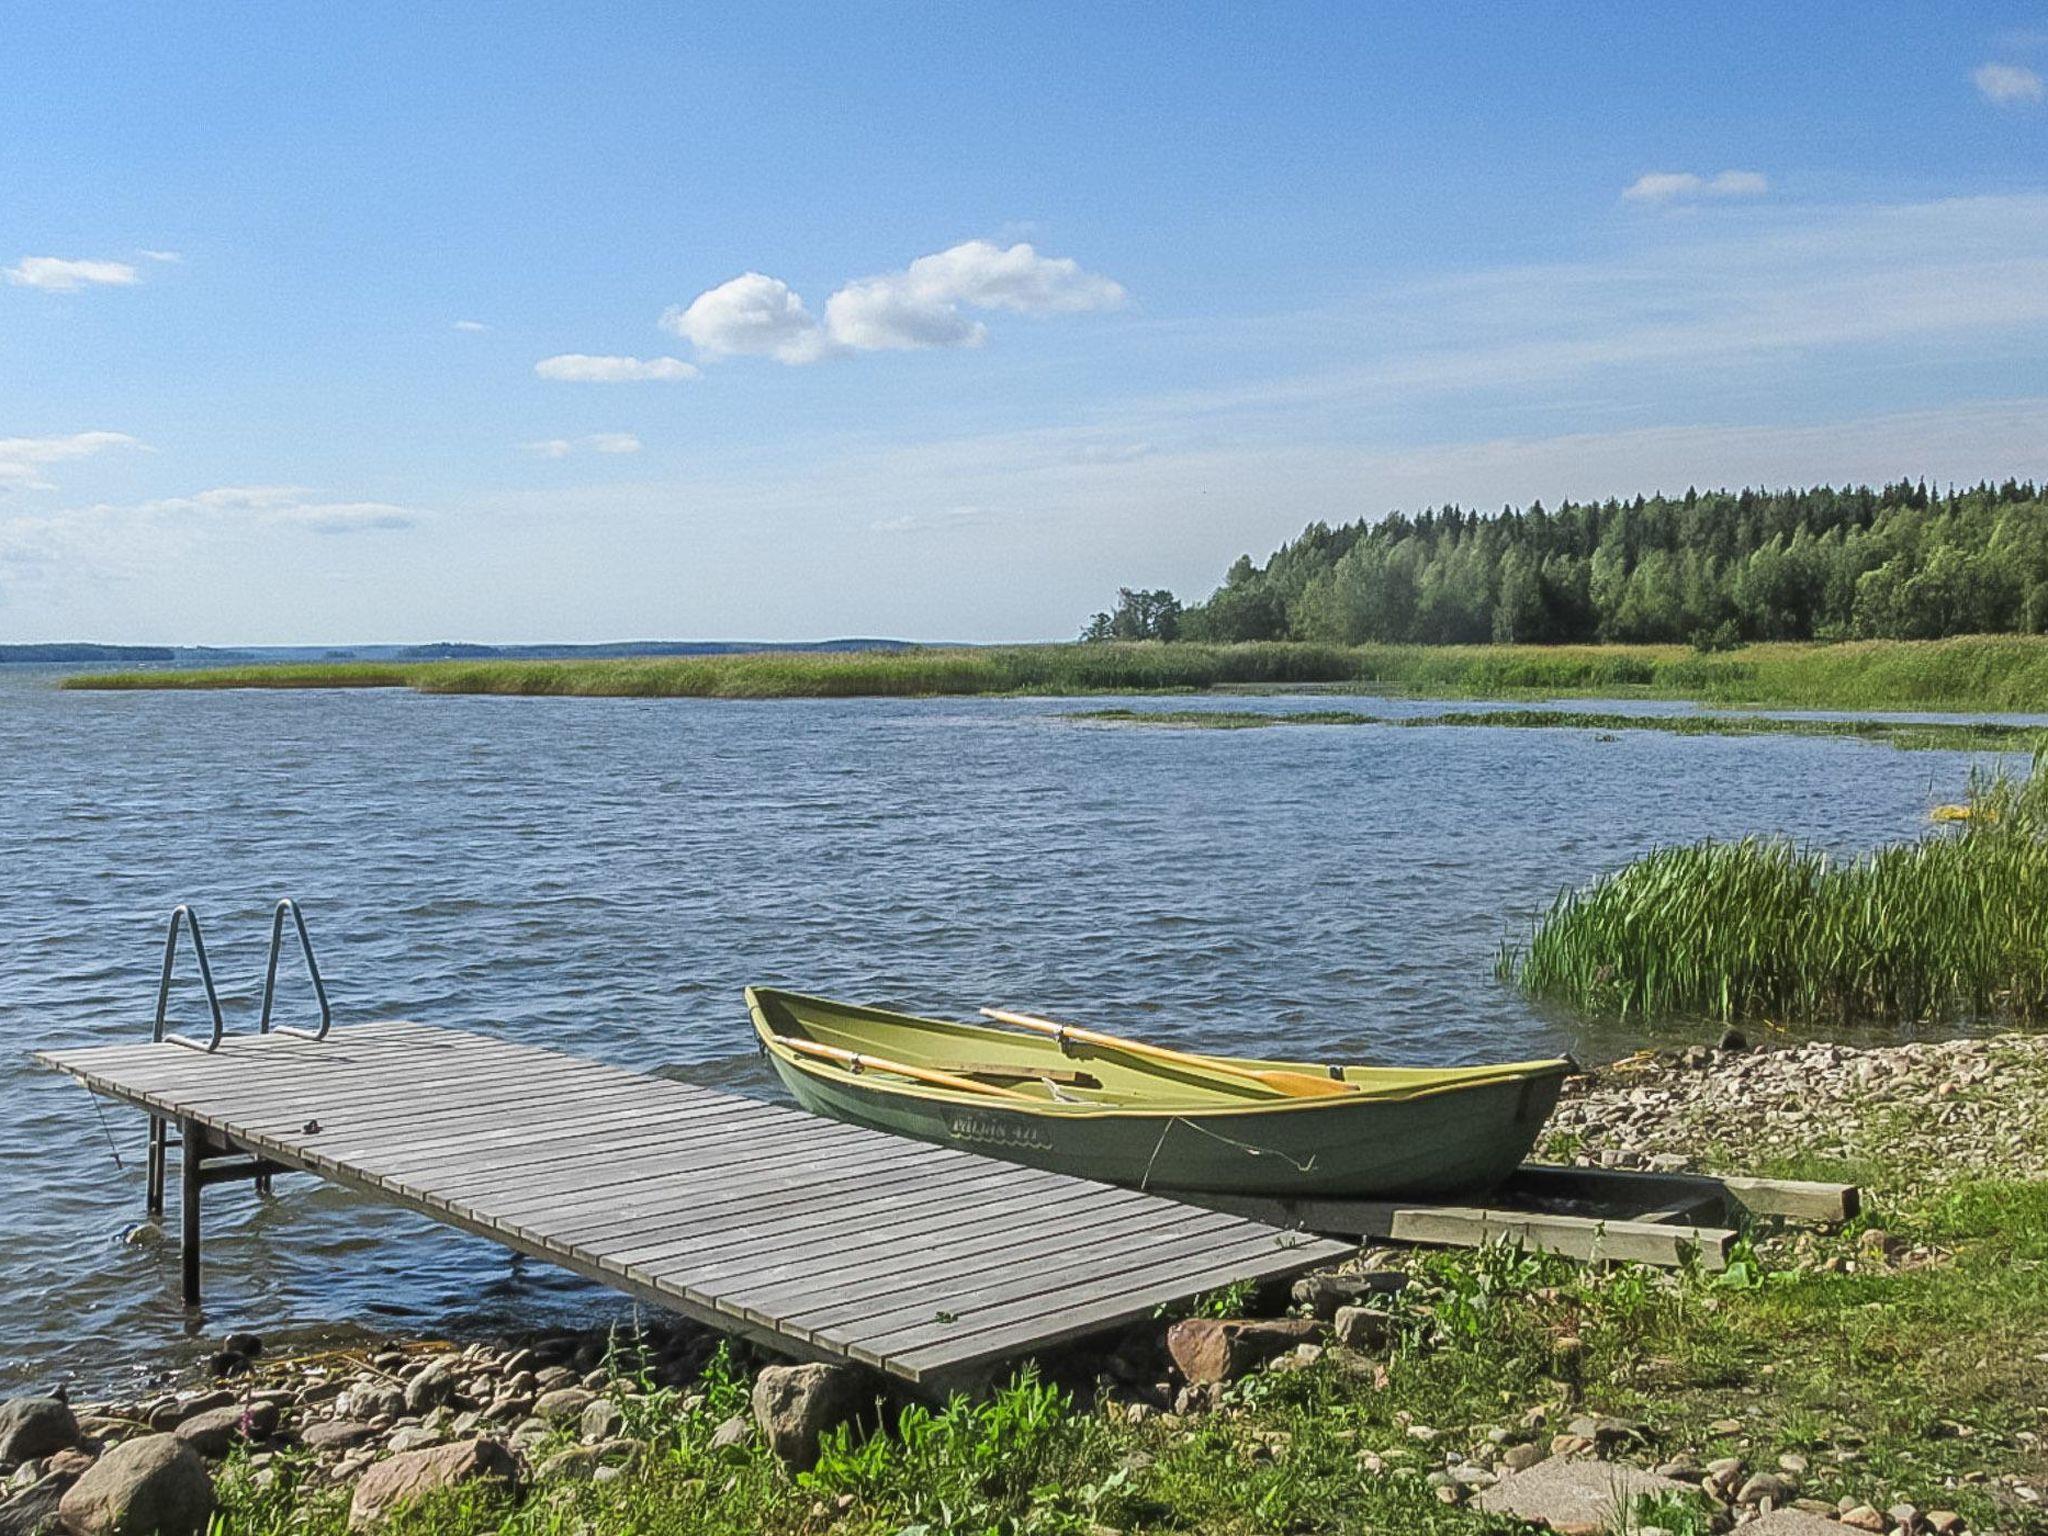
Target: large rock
{"type": "Point", "coordinates": [1792, 1522]}
{"type": "Point", "coordinates": [35, 1426]}
{"type": "Point", "coordinates": [1575, 1498]}
{"type": "Point", "coordinates": [34, 1510]}
{"type": "Point", "coordinates": [1223, 1349]}
{"type": "Point", "coordinates": [155, 1485]}
{"type": "Point", "coordinates": [400, 1479]}
{"type": "Point", "coordinates": [796, 1405]}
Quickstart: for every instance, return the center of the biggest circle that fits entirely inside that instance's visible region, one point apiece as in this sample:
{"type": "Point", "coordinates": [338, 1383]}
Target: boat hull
{"type": "Point", "coordinates": [1462, 1140]}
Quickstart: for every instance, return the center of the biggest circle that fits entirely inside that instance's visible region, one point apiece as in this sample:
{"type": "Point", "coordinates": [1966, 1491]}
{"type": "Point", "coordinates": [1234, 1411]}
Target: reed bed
{"type": "Point", "coordinates": [1991, 672]}
{"type": "Point", "coordinates": [1953, 926]}
{"type": "Point", "coordinates": [1942, 736]}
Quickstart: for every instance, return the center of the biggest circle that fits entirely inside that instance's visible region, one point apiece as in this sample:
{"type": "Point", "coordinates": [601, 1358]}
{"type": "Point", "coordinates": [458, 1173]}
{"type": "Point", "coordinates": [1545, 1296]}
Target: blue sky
{"type": "Point", "coordinates": [580, 323]}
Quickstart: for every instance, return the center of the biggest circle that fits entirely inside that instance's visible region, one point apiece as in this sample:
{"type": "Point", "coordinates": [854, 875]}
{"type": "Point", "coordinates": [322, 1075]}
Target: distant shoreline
{"type": "Point", "coordinates": [2001, 673]}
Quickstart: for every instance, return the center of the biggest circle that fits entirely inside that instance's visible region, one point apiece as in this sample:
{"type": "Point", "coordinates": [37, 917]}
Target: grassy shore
{"type": "Point", "coordinates": [1897, 1359]}
{"type": "Point", "coordinates": [1961, 736]}
{"type": "Point", "coordinates": [1970, 673]}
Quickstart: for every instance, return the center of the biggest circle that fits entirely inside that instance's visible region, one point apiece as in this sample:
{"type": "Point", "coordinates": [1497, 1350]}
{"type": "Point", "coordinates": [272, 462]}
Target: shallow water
{"type": "Point", "coordinates": [605, 875]}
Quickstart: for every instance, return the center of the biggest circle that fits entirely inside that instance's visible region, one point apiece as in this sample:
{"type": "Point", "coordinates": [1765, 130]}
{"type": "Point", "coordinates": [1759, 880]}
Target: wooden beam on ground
{"type": "Point", "coordinates": [1578, 1237]}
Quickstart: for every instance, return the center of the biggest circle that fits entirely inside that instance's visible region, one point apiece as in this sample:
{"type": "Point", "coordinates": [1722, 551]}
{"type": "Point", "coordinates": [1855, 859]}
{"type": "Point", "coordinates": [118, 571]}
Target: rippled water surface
{"type": "Point", "coordinates": [605, 875]}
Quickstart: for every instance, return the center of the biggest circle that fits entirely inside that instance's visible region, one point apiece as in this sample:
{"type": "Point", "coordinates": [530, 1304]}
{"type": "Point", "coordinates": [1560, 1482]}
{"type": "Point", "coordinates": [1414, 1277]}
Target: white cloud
{"type": "Point", "coordinates": [147, 255]}
{"type": "Point", "coordinates": [471, 325]}
{"type": "Point", "coordinates": [753, 315]}
{"type": "Point", "coordinates": [2007, 85]}
{"type": "Point", "coordinates": [277, 505]}
{"type": "Point", "coordinates": [55, 274]}
{"type": "Point", "coordinates": [22, 459]}
{"type": "Point", "coordinates": [596, 442]}
{"type": "Point", "coordinates": [1670, 186]}
{"type": "Point", "coordinates": [919, 308]}
{"type": "Point", "coordinates": [580, 368]}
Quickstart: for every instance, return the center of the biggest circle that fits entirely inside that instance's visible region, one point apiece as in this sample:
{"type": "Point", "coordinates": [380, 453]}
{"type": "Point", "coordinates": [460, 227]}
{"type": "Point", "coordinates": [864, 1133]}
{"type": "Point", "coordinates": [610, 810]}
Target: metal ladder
{"type": "Point", "coordinates": [193, 1151]}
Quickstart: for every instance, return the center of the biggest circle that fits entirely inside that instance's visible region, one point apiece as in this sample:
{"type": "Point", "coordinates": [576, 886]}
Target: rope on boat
{"type": "Point", "coordinates": [1229, 1141]}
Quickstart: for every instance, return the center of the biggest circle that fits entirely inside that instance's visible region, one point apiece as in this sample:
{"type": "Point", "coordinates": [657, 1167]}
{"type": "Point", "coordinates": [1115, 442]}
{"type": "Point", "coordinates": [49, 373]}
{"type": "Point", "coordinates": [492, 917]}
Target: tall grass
{"type": "Point", "coordinates": [1952, 926]}
{"type": "Point", "coordinates": [1994, 672]}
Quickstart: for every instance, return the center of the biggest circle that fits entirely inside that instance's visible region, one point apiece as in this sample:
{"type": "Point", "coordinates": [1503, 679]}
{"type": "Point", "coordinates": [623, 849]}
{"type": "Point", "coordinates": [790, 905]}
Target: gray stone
{"type": "Point", "coordinates": [430, 1389]}
{"type": "Point", "coordinates": [1774, 1486]}
{"type": "Point", "coordinates": [601, 1419]}
{"type": "Point", "coordinates": [35, 1426]}
{"type": "Point", "coordinates": [735, 1431]}
{"type": "Point", "coordinates": [155, 1483]}
{"type": "Point", "coordinates": [1362, 1328]}
{"type": "Point", "coordinates": [1323, 1293]}
{"type": "Point", "coordinates": [577, 1461]}
{"type": "Point", "coordinates": [375, 1400]}
{"type": "Point", "coordinates": [562, 1404]}
{"type": "Point", "coordinates": [216, 1431]}
{"type": "Point", "coordinates": [1520, 1458]}
{"type": "Point", "coordinates": [336, 1435]}
{"type": "Point", "coordinates": [33, 1510]}
{"type": "Point", "coordinates": [1574, 1498]}
{"type": "Point", "coordinates": [1792, 1522]}
{"type": "Point", "coordinates": [400, 1479]}
{"type": "Point", "coordinates": [796, 1404]}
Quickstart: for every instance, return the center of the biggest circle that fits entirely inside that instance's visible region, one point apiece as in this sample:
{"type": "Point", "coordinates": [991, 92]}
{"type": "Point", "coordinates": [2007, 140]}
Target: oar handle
{"type": "Point", "coordinates": [858, 1061]}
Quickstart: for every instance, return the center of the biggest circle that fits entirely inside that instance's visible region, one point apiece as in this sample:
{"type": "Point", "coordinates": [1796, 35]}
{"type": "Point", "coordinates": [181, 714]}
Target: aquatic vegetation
{"type": "Point", "coordinates": [1962, 736]}
{"type": "Point", "coordinates": [1948, 927]}
{"type": "Point", "coordinates": [1977, 672]}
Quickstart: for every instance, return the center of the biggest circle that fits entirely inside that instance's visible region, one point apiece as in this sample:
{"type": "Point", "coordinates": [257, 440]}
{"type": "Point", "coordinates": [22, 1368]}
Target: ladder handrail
{"type": "Point", "coordinates": [183, 914]}
{"type": "Point", "coordinates": [263, 1025]}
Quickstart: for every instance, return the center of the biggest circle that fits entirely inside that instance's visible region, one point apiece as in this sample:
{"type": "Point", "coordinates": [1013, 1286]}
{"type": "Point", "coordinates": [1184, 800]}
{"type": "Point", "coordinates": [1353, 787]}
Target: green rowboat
{"type": "Point", "coordinates": [1132, 1114]}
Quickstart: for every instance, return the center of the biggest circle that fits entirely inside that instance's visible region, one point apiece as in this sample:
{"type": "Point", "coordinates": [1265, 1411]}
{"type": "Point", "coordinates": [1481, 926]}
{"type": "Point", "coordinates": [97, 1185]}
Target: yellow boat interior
{"type": "Point", "coordinates": [1038, 1070]}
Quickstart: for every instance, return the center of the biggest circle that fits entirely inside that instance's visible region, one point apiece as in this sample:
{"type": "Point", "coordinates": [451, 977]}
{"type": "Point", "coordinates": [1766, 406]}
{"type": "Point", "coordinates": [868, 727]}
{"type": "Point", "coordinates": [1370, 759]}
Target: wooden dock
{"type": "Point", "coordinates": [821, 1240]}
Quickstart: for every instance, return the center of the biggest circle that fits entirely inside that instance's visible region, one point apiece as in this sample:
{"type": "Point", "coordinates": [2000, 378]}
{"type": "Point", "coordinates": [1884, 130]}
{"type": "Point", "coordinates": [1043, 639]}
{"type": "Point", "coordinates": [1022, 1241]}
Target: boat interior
{"type": "Point", "coordinates": [1049, 1071]}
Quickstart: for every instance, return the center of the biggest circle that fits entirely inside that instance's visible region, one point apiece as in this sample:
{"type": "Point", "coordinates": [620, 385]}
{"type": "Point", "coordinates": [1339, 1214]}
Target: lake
{"type": "Point", "coordinates": [605, 875]}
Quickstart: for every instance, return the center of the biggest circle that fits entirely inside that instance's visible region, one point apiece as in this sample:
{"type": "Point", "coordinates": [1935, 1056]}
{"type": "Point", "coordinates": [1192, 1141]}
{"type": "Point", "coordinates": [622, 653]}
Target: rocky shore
{"type": "Point", "coordinates": [558, 1417]}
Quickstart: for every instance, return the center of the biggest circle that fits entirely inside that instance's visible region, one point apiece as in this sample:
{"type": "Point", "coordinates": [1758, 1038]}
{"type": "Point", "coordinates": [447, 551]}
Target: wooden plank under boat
{"type": "Point", "coordinates": [1117, 1113]}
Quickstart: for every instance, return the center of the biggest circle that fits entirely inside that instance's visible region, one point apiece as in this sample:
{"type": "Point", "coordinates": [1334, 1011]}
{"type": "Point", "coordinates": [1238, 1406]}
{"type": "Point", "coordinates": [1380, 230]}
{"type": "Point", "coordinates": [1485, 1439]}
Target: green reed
{"type": "Point", "coordinates": [1974, 672]}
{"type": "Point", "coordinates": [1952, 926]}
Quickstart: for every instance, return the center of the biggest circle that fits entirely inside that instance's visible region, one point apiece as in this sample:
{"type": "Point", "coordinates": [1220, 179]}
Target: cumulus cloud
{"type": "Point", "coordinates": [147, 255]}
{"type": "Point", "coordinates": [1669, 186]}
{"type": "Point", "coordinates": [23, 459]}
{"type": "Point", "coordinates": [2007, 85]}
{"type": "Point", "coordinates": [753, 315]}
{"type": "Point", "coordinates": [921, 307]}
{"type": "Point", "coordinates": [581, 368]}
{"type": "Point", "coordinates": [596, 442]}
{"type": "Point", "coordinates": [56, 274]}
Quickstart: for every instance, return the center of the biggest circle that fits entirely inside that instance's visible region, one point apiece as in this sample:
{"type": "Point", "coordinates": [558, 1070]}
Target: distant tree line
{"type": "Point", "coordinates": [1137, 616]}
{"type": "Point", "coordinates": [1713, 568]}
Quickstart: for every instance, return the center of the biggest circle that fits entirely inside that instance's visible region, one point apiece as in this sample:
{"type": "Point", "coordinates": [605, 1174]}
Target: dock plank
{"type": "Point", "coordinates": [824, 1240]}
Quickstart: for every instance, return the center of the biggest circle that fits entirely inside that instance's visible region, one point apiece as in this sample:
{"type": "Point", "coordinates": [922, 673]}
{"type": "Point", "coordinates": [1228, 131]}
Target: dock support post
{"type": "Point", "coordinates": [192, 1153]}
{"type": "Point", "coordinates": [158, 1135]}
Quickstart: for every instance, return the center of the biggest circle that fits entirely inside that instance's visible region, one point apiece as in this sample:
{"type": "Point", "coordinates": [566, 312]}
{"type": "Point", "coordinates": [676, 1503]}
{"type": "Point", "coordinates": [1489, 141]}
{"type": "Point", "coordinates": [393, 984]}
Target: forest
{"type": "Point", "coordinates": [1714, 569]}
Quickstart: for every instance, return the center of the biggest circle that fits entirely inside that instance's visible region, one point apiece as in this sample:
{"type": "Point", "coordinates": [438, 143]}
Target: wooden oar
{"type": "Point", "coordinates": [861, 1061]}
{"type": "Point", "coordinates": [1300, 1085]}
